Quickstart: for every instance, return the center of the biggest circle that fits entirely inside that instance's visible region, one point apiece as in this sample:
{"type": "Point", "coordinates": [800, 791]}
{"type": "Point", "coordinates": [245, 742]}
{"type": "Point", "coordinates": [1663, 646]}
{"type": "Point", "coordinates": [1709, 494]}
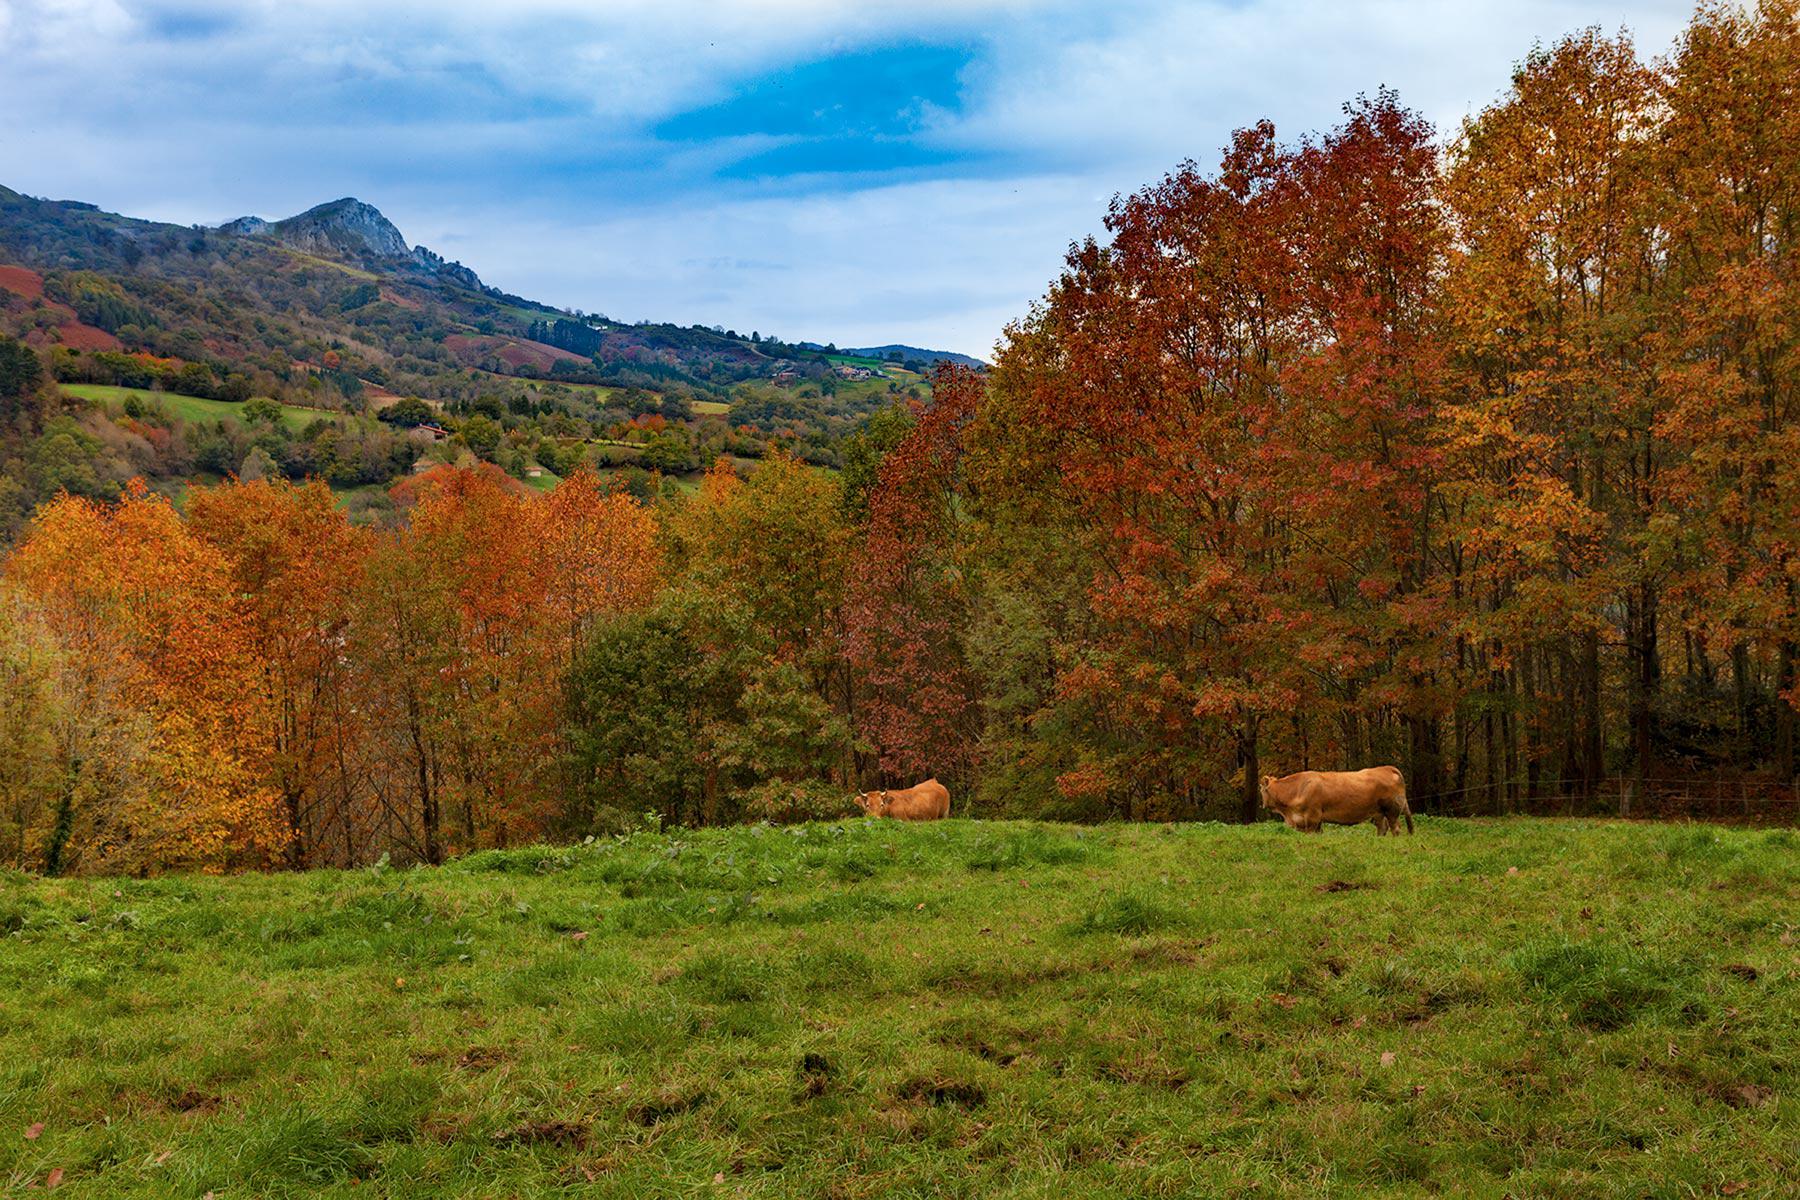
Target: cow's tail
{"type": "Point", "coordinates": [1407, 810]}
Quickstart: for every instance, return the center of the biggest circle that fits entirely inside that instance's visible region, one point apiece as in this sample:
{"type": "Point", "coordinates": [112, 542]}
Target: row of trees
{"type": "Point", "coordinates": [261, 683]}
{"type": "Point", "coordinates": [1478, 460]}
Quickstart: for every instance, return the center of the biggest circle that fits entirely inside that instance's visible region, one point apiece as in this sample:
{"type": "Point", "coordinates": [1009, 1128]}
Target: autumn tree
{"type": "Point", "coordinates": [158, 637]}
{"type": "Point", "coordinates": [1727, 355]}
{"type": "Point", "coordinates": [296, 562]}
{"type": "Point", "coordinates": [1555, 425]}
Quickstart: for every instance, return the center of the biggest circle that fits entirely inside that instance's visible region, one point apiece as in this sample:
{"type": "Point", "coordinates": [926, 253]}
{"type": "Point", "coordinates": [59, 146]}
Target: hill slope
{"type": "Point", "coordinates": [331, 311]}
{"type": "Point", "coordinates": [390, 302]}
{"type": "Point", "coordinates": [1490, 1008]}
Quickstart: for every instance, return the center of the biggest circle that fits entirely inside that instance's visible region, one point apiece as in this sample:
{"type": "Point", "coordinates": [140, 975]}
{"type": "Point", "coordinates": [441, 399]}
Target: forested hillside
{"type": "Point", "coordinates": [385, 358]}
{"type": "Point", "coordinates": [1471, 451]}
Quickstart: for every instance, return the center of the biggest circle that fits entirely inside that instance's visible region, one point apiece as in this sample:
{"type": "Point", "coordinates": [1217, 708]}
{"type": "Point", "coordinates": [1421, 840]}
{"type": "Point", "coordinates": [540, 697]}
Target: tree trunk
{"type": "Point", "coordinates": [1647, 679]}
{"type": "Point", "coordinates": [64, 826]}
{"type": "Point", "coordinates": [1425, 769]}
{"type": "Point", "coordinates": [1784, 708]}
{"type": "Point", "coordinates": [1251, 801]}
{"type": "Point", "coordinates": [1533, 752]}
{"type": "Point", "coordinates": [1593, 746]}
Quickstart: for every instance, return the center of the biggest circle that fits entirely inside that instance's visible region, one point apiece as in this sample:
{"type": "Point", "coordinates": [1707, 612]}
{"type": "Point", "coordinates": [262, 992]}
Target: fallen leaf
{"type": "Point", "coordinates": [1512, 870]}
{"type": "Point", "coordinates": [1387, 1058]}
{"type": "Point", "coordinates": [32, 1131]}
{"type": "Point", "coordinates": [54, 1179]}
{"type": "Point", "coordinates": [580, 935]}
{"type": "Point", "coordinates": [162, 1158]}
{"type": "Point", "coordinates": [400, 983]}
{"type": "Point", "coordinates": [1283, 999]}
{"type": "Point", "coordinates": [1732, 1189]}
{"type": "Point", "coordinates": [920, 907]}
{"type": "Point", "coordinates": [719, 1176]}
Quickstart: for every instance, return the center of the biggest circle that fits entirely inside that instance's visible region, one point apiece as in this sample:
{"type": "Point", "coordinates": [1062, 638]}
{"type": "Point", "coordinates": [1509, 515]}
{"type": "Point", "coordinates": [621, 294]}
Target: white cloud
{"type": "Point", "coordinates": [941, 263]}
{"type": "Point", "coordinates": [516, 135]}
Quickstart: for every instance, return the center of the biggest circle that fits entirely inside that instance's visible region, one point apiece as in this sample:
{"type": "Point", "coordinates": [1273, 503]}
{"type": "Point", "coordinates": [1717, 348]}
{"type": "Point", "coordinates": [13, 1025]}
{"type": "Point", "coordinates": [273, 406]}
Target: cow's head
{"type": "Point", "coordinates": [1268, 794]}
{"type": "Point", "coordinates": [873, 803]}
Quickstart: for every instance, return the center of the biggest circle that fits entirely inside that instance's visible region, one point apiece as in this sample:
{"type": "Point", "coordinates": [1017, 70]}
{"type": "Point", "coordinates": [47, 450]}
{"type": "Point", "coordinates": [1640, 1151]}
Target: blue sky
{"type": "Point", "coordinates": [851, 172]}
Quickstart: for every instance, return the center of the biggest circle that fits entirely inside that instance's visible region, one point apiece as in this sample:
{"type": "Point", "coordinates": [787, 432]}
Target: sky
{"type": "Point", "coordinates": [854, 172]}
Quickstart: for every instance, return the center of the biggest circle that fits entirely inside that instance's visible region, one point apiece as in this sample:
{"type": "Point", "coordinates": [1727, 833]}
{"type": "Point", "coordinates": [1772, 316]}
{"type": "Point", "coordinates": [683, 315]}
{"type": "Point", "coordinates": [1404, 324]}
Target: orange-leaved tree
{"type": "Point", "coordinates": [151, 614]}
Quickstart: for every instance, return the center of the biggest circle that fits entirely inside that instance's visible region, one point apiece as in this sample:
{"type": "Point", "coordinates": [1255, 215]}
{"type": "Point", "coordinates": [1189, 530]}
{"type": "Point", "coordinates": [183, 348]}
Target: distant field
{"type": "Point", "coordinates": [195, 408]}
{"type": "Point", "coordinates": [1492, 1008]}
{"type": "Point", "coordinates": [710, 408]}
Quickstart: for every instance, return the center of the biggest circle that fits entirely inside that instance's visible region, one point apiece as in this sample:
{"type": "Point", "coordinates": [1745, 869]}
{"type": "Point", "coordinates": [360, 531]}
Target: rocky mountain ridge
{"type": "Point", "coordinates": [352, 229]}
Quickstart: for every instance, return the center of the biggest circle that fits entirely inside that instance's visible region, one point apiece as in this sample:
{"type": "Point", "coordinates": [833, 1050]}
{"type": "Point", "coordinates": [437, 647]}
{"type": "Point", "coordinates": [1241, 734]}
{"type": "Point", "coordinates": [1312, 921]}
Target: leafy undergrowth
{"type": "Point", "coordinates": [868, 1009]}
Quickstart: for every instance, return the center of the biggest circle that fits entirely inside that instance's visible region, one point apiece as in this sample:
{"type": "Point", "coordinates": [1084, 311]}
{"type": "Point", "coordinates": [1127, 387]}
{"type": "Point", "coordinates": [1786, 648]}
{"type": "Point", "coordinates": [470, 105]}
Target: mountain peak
{"type": "Point", "coordinates": [350, 228]}
{"type": "Point", "coordinates": [346, 226]}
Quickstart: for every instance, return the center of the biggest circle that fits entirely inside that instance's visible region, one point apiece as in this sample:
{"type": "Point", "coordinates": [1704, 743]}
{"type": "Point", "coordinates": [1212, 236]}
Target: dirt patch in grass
{"type": "Point", "coordinates": [662, 1107]}
{"type": "Point", "coordinates": [816, 1075]}
{"type": "Point", "coordinates": [477, 1059]}
{"type": "Point", "coordinates": [571, 1134]}
{"type": "Point", "coordinates": [941, 1092]}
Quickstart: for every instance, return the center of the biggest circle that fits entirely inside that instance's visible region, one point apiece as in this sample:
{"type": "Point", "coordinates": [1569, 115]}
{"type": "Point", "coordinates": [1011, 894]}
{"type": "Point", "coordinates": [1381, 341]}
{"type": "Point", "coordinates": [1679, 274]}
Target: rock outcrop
{"type": "Point", "coordinates": [350, 229]}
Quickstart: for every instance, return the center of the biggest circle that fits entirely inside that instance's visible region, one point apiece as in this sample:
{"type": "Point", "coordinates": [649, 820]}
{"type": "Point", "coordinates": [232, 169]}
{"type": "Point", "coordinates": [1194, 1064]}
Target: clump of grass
{"type": "Point", "coordinates": [719, 978]}
{"type": "Point", "coordinates": [1033, 845]}
{"type": "Point", "coordinates": [832, 967]}
{"type": "Point", "coordinates": [1129, 913]}
{"type": "Point", "coordinates": [288, 1145]}
{"type": "Point", "coordinates": [1601, 984]}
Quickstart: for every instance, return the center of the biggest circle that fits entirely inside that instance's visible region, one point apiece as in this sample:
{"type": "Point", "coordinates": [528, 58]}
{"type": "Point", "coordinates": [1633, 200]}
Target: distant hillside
{"type": "Point", "coordinates": [333, 312]}
{"type": "Point", "coordinates": [341, 272]}
{"type": "Point", "coordinates": [918, 354]}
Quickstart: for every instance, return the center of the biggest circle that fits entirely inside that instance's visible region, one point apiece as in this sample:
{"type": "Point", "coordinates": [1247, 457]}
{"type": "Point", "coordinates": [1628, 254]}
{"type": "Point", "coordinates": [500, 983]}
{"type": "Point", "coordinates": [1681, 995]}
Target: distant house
{"type": "Point", "coordinates": [428, 433]}
{"type": "Point", "coordinates": [786, 378]}
{"type": "Point", "coordinates": [534, 472]}
{"type": "Point", "coordinates": [857, 373]}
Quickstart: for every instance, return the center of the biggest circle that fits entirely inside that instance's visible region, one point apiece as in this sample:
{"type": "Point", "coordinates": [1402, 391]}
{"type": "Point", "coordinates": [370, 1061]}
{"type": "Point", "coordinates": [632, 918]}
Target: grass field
{"type": "Point", "coordinates": [1516, 1008]}
{"type": "Point", "coordinates": [194, 408]}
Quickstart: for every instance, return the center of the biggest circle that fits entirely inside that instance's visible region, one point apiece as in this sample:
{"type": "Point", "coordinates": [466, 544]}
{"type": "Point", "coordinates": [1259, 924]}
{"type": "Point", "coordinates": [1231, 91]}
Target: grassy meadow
{"type": "Point", "coordinates": [194, 408]}
{"type": "Point", "coordinates": [1492, 1008]}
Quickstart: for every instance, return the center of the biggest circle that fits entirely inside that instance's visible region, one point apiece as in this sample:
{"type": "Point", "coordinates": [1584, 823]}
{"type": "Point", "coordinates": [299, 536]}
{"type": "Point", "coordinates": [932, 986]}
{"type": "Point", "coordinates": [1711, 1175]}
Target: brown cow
{"type": "Point", "coordinates": [928, 801]}
{"type": "Point", "coordinates": [1310, 799]}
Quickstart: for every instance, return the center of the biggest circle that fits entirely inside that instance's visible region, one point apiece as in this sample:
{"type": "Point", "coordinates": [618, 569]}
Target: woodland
{"type": "Point", "coordinates": [1473, 451]}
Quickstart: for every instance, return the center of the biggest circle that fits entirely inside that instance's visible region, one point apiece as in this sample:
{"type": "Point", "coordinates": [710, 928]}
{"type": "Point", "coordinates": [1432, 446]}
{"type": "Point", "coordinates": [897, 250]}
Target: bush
{"type": "Point", "coordinates": [785, 803]}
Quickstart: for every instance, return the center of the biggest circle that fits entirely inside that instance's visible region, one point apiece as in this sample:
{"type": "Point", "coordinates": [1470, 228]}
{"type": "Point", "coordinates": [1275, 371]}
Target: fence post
{"type": "Point", "coordinates": [1625, 786]}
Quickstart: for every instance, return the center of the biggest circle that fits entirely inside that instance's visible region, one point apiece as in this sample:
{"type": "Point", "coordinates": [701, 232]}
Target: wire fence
{"type": "Point", "coordinates": [1695, 798]}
